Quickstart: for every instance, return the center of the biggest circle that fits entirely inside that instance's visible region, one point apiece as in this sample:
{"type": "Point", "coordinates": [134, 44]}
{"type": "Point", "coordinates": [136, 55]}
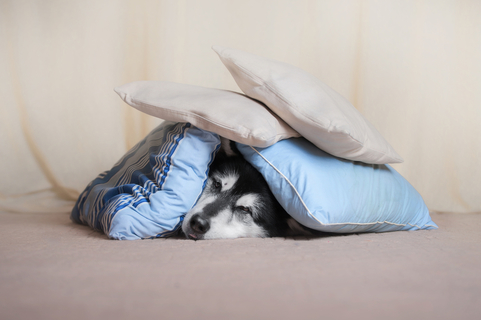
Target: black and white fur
{"type": "Point", "coordinates": [237, 203]}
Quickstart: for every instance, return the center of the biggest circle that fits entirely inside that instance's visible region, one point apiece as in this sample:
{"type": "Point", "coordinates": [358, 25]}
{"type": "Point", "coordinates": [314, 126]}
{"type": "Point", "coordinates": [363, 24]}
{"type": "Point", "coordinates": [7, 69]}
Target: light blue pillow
{"type": "Point", "coordinates": [331, 194]}
{"type": "Point", "coordinates": [148, 192]}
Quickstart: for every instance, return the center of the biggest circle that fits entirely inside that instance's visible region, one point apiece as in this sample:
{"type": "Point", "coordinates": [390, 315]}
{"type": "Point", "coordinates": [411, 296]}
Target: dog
{"type": "Point", "coordinates": [237, 203]}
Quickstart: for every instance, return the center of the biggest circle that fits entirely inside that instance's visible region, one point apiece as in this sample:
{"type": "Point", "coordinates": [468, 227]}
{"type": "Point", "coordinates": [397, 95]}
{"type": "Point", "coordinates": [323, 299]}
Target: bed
{"type": "Point", "coordinates": [54, 269]}
{"type": "Point", "coordinates": [51, 268]}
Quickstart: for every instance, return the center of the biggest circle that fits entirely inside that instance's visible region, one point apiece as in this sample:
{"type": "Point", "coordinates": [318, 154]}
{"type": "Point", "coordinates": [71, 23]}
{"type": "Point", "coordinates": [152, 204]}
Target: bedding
{"type": "Point", "coordinates": [331, 194]}
{"type": "Point", "coordinates": [346, 187]}
{"type": "Point", "coordinates": [147, 193]}
{"type": "Point", "coordinates": [316, 111]}
{"type": "Point", "coordinates": [229, 114]}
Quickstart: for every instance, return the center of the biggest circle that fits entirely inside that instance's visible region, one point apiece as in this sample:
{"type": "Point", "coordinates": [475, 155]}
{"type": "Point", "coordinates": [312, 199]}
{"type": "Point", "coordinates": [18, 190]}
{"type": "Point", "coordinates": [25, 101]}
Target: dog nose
{"type": "Point", "coordinates": [199, 225]}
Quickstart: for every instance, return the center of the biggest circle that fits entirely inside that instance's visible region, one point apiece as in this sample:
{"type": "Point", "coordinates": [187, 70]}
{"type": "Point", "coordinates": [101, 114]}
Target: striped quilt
{"type": "Point", "coordinates": [149, 190]}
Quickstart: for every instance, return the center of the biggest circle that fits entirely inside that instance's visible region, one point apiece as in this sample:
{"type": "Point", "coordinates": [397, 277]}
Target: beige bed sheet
{"type": "Point", "coordinates": [51, 268]}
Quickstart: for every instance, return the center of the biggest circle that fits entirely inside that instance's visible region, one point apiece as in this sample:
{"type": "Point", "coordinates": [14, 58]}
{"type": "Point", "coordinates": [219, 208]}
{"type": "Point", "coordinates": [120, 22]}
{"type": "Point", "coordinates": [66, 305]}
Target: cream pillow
{"type": "Point", "coordinates": [309, 106]}
{"type": "Point", "coordinates": [229, 114]}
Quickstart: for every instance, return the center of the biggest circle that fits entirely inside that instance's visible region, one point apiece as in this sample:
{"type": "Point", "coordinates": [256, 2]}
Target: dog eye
{"type": "Point", "coordinates": [217, 184]}
{"type": "Point", "coordinates": [245, 209]}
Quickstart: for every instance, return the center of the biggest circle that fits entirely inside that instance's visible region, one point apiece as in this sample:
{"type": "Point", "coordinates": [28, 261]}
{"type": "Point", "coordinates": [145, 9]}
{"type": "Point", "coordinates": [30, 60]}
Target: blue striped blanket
{"type": "Point", "coordinates": [149, 190]}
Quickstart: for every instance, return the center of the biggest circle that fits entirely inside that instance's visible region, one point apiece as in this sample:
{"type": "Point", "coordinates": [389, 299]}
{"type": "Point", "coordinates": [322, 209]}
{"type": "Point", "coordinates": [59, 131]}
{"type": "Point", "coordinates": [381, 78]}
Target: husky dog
{"type": "Point", "coordinates": [237, 203]}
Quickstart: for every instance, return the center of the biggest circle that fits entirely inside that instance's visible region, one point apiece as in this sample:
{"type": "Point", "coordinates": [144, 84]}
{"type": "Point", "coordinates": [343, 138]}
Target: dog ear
{"type": "Point", "coordinates": [220, 158]}
{"type": "Point", "coordinates": [227, 150]}
{"type": "Point", "coordinates": [229, 147]}
{"type": "Point", "coordinates": [222, 155]}
{"type": "Point", "coordinates": [234, 149]}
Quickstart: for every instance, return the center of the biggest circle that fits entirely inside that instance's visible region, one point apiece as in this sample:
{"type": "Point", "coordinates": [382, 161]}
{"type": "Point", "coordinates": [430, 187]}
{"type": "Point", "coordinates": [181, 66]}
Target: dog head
{"type": "Point", "coordinates": [236, 203]}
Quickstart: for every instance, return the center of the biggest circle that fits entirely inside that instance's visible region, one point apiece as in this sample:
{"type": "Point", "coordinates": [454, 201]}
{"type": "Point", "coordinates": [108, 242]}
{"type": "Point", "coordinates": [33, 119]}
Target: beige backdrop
{"type": "Point", "coordinates": [413, 68]}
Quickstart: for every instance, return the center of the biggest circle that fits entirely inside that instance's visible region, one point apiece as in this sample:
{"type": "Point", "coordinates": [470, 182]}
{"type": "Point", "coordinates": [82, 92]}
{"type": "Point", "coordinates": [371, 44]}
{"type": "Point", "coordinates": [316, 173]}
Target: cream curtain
{"type": "Point", "coordinates": [413, 68]}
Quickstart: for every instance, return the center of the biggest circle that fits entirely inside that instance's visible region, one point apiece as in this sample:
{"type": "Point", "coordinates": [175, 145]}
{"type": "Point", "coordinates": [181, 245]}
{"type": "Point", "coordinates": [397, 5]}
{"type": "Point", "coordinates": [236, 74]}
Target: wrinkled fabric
{"type": "Point", "coordinates": [336, 195]}
{"type": "Point", "coordinates": [148, 192]}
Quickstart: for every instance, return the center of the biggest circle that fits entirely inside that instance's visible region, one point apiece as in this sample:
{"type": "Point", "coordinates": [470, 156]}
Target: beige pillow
{"type": "Point", "coordinates": [229, 114]}
{"type": "Point", "coordinates": [309, 106]}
